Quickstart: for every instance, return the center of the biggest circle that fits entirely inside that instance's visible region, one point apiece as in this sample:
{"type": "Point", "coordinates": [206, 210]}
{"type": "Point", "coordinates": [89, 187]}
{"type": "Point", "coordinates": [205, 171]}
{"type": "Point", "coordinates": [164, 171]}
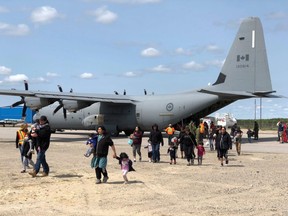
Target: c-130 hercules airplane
{"type": "Point", "coordinates": [245, 74]}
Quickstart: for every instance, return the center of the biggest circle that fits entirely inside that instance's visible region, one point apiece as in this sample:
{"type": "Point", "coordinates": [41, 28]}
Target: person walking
{"type": "Point", "coordinates": [20, 136]}
{"type": "Point", "coordinates": [99, 160]}
{"type": "Point", "coordinates": [43, 135]}
{"type": "Point", "coordinates": [189, 143]}
{"type": "Point", "coordinates": [170, 132]}
{"type": "Point", "coordinates": [224, 145]}
{"type": "Point", "coordinates": [238, 139]}
{"type": "Point", "coordinates": [156, 138]}
{"type": "Point", "coordinates": [256, 130]}
{"type": "Point", "coordinates": [200, 153]}
{"type": "Point", "coordinates": [137, 141]}
{"type": "Point", "coordinates": [217, 137]}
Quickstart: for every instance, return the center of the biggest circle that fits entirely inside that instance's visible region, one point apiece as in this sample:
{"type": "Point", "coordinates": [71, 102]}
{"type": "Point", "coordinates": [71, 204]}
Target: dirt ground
{"type": "Point", "coordinates": [254, 183]}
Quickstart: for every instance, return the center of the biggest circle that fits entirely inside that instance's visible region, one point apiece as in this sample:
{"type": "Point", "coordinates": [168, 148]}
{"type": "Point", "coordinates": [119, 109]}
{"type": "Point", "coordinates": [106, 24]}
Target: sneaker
{"type": "Point", "coordinates": [188, 164]}
{"type": "Point", "coordinates": [105, 179]}
{"type": "Point", "coordinates": [140, 159]}
{"type": "Point", "coordinates": [23, 171]}
{"type": "Point", "coordinates": [44, 174]}
{"type": "Point", "coordinates": [125, 182]}
{"type": "Point", "coordinates": [33, 173]}
{"type": "Point", "coordinates": [98, 181]}
{"type": "Point", "coordinates": [134, 160]}
{"type": "Point", "coordinates": [226, 161]}
{"type": "Point", "coordinates": [221, 164]}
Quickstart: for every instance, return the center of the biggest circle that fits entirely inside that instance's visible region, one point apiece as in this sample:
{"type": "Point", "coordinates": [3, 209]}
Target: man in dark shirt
{"type": "Point", "coordinates": [224, 145]}
{"type": "Point", "coordinates": [42, 135]}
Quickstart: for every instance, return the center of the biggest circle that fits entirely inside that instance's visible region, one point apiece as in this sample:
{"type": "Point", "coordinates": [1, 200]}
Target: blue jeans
{"type": "Point", "coordinates": [156, 152]}
{"type": "Point", "coordinates": [41, 160]}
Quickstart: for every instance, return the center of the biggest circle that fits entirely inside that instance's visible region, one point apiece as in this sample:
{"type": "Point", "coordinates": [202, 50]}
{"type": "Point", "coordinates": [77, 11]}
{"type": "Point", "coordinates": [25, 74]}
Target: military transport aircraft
{"type": "Point", "coordinates": [245, 74]}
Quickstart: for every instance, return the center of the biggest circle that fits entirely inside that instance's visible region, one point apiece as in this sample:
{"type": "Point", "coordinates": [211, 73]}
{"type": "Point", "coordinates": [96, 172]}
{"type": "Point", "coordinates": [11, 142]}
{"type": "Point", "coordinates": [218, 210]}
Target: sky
{"type": "Point", "coordinates": [163, 46]}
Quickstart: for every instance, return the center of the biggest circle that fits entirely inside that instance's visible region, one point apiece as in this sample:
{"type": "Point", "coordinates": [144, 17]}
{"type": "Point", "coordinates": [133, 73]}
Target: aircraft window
{"type": "Point", "coordinates": [241, 38]}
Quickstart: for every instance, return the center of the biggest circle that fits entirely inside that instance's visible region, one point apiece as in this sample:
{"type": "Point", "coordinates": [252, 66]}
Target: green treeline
{"type": "Point", "coordinates": [264, 124]}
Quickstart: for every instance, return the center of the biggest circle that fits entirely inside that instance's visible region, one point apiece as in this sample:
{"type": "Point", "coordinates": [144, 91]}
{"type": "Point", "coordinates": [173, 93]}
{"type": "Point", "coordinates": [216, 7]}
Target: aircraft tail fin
{"type": "Point", "coordinates": [246, 67]}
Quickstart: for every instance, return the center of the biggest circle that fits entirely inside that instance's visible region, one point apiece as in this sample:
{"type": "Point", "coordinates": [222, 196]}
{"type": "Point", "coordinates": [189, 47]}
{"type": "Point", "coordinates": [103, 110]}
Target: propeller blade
{"type": "Point", "coordinates": [26, 85]}
{"type": "Point", "coordinates": [24, 111]}
{"type": "Point", "coordinates": [17, 103]}
{"type": "Point", "coordinates": [60, 88]}
{"type": "Point", "coordinates": [58, 108]}
{"type": "Point", "coordinates": [71, 90]}
{"type": "Point", "coordinates": [64, 113]}
{"type": "Point", "coordinates": [124, 92]}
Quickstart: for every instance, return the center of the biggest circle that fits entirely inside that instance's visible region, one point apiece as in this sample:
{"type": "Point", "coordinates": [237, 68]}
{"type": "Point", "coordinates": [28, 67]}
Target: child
{"type": "Point", "coordinates": [249, 135]}
{"type": "Point", "coordinates": [126, 165]}
{"type": "Point", "coordinates": [149, 148]}
{"type": "Point", "coordinates": [200, 152]}
{"type": "Point", "coordinates": [172, 150]}
{"type": "Point", "coordinates": [27, 152]}
{"type": "Point", "coordinates": [211, 139]}
{"type": "Point", "coordinates": [92, 142]}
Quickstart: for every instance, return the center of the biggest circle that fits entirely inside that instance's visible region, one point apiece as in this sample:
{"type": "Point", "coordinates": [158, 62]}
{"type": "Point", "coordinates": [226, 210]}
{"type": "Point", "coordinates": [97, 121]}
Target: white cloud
{"type": "Point", "coordinates": [213, 48]}
{"type": "Point", "coordinates": [4, 70]}
{"type": "Point", "coordinates": [16, 30]}
{"type": "Point", "coordinates": [41, 79]}
{"type": "Point", "coordinates": [182, 51]}
{"type": "Point", "coordinates": [86, 75]}
{"type": "Point", "coordinates": [130, 74]}
{"type": "Point", "coordinates": [161, 68]}
{"type": "Point", "coordinates": [193, 66]}
{"type": "Point", "coordinates": [16, 78]}
{"type": "Point", "coordinates": [44, 14]}
{"type": "Point", "coordinates": [216, 63]}
{"type": "Point", "coordinates": [49, 74]}
{"type": "Point", "coordinates": [104, 16]}
{"type": "Point", "coordinates": [150, 52]}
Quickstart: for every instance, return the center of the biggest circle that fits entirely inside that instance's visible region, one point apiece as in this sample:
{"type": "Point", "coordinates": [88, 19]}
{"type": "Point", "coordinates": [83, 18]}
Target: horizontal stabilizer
{"type": "Point", "coordinates": [241, 94]}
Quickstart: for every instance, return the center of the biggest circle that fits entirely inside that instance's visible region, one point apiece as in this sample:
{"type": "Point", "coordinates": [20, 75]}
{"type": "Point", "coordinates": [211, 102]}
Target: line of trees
{"type": "Point", "coordinates": [264, 124]}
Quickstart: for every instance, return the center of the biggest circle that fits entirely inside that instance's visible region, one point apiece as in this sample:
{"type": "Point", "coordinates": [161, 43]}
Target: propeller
{"type": "Point", "coordinates": [61, 104]}
{"type": "Point", "coordinates": [22, 101]}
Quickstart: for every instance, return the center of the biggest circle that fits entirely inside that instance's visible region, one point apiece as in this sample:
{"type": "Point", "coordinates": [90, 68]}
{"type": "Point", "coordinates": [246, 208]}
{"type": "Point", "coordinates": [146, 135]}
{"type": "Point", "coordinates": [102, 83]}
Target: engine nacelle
{"type": "Point", "coordinates": [73, 106]}
{"type": "Point", "coordinates": [35, 103]}
{"type": "Point", "coordinates": [93, 120]}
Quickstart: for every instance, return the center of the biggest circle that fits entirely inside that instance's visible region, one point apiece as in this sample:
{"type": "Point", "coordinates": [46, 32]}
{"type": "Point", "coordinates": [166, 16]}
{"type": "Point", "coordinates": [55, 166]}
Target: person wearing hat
{"type": "Point", "coordinates": [20, 136]}
{"type": "Point", "coordinates": [42, 134]}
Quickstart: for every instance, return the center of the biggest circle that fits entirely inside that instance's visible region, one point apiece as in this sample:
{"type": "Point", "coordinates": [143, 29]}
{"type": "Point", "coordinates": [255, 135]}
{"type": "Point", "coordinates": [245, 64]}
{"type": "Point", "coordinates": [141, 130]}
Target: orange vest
{"type": "Point", "coordinates": [21, 136]}
{"type": "Point", "coordinates": [170, 130]}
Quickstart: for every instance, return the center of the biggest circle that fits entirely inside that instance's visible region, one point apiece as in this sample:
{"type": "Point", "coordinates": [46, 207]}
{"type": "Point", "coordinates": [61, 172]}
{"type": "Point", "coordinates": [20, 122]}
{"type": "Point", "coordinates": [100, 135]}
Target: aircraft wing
{"type": "Point", "coordinates": [70, 96]}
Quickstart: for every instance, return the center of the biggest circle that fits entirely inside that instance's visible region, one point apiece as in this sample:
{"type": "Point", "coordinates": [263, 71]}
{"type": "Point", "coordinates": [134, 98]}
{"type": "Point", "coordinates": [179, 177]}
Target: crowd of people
{"type": "Point", "coordinates": [189, 139]}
